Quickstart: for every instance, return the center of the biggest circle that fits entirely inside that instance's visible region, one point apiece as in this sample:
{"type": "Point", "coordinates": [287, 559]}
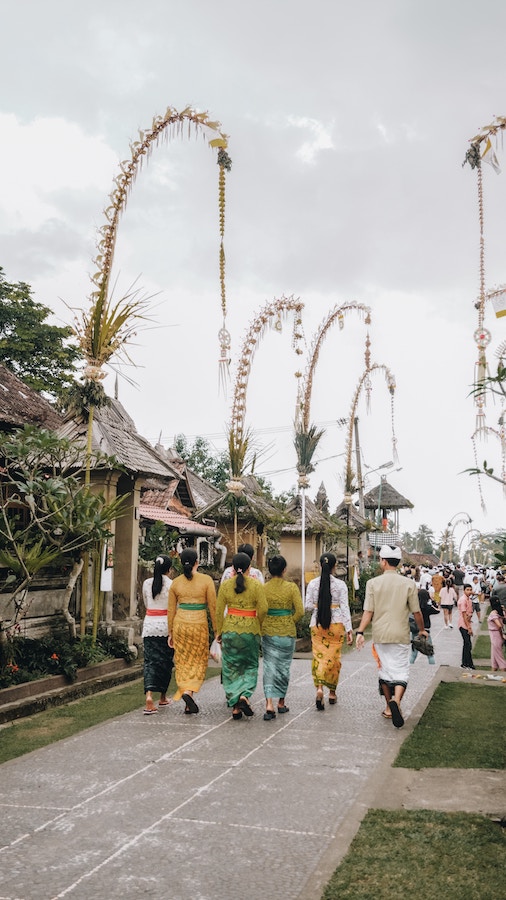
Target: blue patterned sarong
{"type": "Point", "coordinates": [277, 654]}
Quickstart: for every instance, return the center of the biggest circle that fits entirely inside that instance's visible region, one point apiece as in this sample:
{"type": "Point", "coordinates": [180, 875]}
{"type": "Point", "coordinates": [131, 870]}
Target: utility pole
{"type": "Point", "coordinates": [360, 482]}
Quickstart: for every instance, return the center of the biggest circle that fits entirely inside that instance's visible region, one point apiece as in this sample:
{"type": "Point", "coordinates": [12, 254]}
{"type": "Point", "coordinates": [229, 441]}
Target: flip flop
{"type": "Point", "coordinates": [244, 706]}
{"type": "Point", "coordinates": [191, 706]}
{"type": "Point", "coordinates": [386, 715]}
{"type": "Point", "coordinates": [397, 717]}
{"type": "Point", "coordinates": [164, 703]}
{"type": "Point", "coordinates": [150, 710]}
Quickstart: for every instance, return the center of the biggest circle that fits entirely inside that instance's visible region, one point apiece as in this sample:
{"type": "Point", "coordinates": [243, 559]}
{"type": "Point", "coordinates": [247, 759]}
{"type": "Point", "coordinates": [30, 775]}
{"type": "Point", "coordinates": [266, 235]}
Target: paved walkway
{"type": "Point", "coordinates": [202, 807]}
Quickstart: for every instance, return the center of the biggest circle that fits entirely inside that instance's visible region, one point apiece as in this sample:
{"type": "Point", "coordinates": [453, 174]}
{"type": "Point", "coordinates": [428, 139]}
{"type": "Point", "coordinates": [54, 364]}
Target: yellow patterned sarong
{"type": "Point", "coordinates": [326, 644]}
{"type": "Point", "coordinates": [190, 635]}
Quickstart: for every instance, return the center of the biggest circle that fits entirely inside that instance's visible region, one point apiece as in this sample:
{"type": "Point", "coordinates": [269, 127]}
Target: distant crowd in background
{"type": "Point", "coordinates": [471, 590]}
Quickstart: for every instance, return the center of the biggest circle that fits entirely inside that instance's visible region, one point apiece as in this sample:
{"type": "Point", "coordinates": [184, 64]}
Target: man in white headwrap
{"type": "Point", "coordinates": [389, 599]}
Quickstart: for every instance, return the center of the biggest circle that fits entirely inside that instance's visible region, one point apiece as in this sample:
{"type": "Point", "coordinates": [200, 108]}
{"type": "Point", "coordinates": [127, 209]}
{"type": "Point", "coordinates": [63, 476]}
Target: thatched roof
{"type": "Point", "coordinates": [21, 405]}
{"type": "Point", "coordinates": [115, 434]}
{"type": "Point", "coordinates": [353, 518]}
{"type": "Point", "coordinates": [390, 498]}
{"type": "Point", "coordinates": [252, 505]}
{"type": "Point", "coordinates": [316, 520]}
{"type": "Point", "coordinates": [420, 559]}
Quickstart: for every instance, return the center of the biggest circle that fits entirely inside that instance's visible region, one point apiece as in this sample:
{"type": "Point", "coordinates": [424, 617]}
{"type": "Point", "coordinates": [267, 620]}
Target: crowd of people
{"type": "Point", "coordinates": [468, 590]}
{"type": "Point", "coordinates": [250, 617]}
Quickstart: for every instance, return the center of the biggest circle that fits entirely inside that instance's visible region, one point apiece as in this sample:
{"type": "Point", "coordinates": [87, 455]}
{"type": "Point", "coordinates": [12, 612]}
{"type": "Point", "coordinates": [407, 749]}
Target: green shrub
{"type": "Point", "coordinates": [26, 659]}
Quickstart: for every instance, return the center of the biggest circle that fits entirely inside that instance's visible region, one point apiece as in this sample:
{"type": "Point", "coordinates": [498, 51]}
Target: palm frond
{"type": "Point", "coordinates": [305, 443]}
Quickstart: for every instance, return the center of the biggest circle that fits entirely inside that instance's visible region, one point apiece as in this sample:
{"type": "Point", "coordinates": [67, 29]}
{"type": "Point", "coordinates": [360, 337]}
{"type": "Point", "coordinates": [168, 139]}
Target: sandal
{"type": "Point", "coordinates": [269, 714]}
{"type": "Point", "coordinates": [397, 717]}
{"type": "Point", "coordinates": [319, 700]}
{"type": "Point", "coordinates": [191, 706]}
{"type": "Point", "coordinates": [332, 698]}
{"type": "Point", "coordinates": [283, 709]}
{"type": "Point", "coordinates": [237, 714]}
{"type": "Point", "coordinates": [150, 708]}
{"type": "Point", "coordinates": [244, 706]}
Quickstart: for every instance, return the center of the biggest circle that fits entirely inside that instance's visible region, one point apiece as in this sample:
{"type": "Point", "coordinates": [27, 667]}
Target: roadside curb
{"type": "Point", "coordinates": [36, 696]}
{"type": "Point", "coordinates": [397, 788]}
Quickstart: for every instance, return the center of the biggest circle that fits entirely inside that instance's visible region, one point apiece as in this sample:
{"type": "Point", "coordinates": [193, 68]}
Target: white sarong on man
{"type": "Point", "coordinates": [393, 662]}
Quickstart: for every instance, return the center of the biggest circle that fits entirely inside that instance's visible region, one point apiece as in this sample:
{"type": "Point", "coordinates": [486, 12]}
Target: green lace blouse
{"type": "Point", "coordinates": [282, 595]}
{"type": "Point", "coordinates": [252, 598]}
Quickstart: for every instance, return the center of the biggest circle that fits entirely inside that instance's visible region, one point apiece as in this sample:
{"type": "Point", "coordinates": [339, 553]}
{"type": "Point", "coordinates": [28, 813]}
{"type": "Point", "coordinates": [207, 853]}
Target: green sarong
{"type": "Point", "coordinates": [239, 665]}
{"type": "Point", "coordinates": [277, 655]}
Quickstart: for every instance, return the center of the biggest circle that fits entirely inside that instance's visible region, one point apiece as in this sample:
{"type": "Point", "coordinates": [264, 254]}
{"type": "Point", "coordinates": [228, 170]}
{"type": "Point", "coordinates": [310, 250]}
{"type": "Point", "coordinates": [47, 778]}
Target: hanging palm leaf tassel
{"type": "Point", "coordinates": [225, 165]}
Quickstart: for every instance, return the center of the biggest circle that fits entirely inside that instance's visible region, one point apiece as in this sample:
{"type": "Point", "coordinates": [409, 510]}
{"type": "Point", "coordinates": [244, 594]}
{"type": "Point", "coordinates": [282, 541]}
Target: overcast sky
{"type": "Point", "coordinates": [348, 125]}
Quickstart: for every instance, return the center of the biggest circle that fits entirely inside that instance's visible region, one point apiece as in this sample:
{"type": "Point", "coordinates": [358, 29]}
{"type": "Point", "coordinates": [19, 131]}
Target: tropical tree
{"type": "Point", "coordinates": [47, 516]}
{"type": "Point", "coordinates": [212, 467]}
{"type": "Point", "coordinates": [424, 540]}
{"type": "Point", "coordinates": [42, 355]}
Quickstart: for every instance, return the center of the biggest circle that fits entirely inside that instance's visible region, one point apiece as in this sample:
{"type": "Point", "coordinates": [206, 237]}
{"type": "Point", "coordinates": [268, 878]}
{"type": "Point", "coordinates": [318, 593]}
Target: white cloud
{"type": "Point", "coordinates": [321, 140]}
{"type": "Point", "coordinates": [45, 156]}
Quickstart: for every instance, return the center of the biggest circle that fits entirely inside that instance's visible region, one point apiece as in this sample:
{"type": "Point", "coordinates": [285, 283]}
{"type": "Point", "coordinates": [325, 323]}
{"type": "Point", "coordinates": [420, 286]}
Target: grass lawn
{"type": "Point", "coordinates": [425, 854]}
{"type": "Point", "coordinates": [23, 735]}
{"type": "Point", "coordinates": [461, 728]}
{"type": "Point", "coordinates": [481, 649]}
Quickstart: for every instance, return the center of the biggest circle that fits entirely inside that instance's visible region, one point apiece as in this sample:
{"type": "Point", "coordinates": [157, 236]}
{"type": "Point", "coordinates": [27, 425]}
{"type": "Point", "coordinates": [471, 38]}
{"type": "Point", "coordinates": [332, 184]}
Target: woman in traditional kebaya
{"type": "Point", "coordinates": [278, 635]}
{"type": "Point", "coordinates": [327, 596]}
{"type": "Point", "coordinates": [158, 656]}
{"type": "Point", "coordinates": [191, 595]}
{"type": "Point", "coordinates": [239, 631]}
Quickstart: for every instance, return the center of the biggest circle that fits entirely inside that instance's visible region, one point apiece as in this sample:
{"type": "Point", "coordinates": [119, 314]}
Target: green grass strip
{"type": "Point", "coordinates": [461, 728]}
{"type": "Point", "coordinates": [481, 649]}
{"type": "Point", "coordinates": [425, 854]}
{"type": "Point", "coordinates": [24, 735]}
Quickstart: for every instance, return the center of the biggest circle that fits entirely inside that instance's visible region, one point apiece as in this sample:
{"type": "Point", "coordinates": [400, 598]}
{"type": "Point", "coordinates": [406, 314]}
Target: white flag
{"type": "Point", "coordinates": [490, 157]}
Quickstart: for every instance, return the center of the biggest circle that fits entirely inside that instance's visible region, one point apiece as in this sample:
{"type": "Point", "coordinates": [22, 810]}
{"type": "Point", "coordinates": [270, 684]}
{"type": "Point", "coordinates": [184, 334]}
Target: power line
{"type": "Point", "coordinates": [275, 429]}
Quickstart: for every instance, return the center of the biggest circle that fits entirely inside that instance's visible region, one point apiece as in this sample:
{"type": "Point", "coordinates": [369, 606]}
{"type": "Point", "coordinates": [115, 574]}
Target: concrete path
{"type": "Point", "coordinates": [202, 807]}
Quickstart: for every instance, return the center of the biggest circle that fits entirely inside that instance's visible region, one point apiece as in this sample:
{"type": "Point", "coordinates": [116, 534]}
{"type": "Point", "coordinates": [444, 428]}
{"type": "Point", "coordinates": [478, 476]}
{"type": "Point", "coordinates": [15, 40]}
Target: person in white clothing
{"type": "Point", "coordinates": [158, 656]}
{"type": "Point", "coordinates": [252, 572]}
{"type": "Point", "coordinates": [327, 596]}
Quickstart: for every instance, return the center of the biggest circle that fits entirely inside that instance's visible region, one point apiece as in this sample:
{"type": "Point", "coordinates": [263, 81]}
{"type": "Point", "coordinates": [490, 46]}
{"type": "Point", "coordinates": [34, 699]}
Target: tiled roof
{"type": "Point", "coordinates": [176, 521]}
{"type": "Point", "coordinates": [21, 405]}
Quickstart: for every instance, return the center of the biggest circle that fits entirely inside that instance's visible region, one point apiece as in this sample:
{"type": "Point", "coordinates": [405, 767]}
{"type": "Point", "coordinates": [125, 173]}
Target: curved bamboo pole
{"type": "Point", "coordinates": [337, 314]}
{"type": "Point", "coordinates": [109, 325]}
{"type": "Point", "coordinates": [272, 313]}
{"type": "Point", "coordinates": [363, 380]}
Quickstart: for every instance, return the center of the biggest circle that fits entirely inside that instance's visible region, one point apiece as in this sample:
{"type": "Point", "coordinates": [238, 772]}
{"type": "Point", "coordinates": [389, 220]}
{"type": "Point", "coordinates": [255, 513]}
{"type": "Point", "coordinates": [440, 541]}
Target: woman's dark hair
{"type": "Point", "coordinates": [496, 605]}
{"type": "Point", "coordinates": [323, 613]}
{"type": "Point", "coordinates": [188, 559]}
{"type": "Point", "coordinates": [276, 565]}
{"type": "Point", "coordinates": [247, 549]}
{"type": "Point", "coordinates": [162, 566]}
{"type": "Point", "coordinates": [241, 563]}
